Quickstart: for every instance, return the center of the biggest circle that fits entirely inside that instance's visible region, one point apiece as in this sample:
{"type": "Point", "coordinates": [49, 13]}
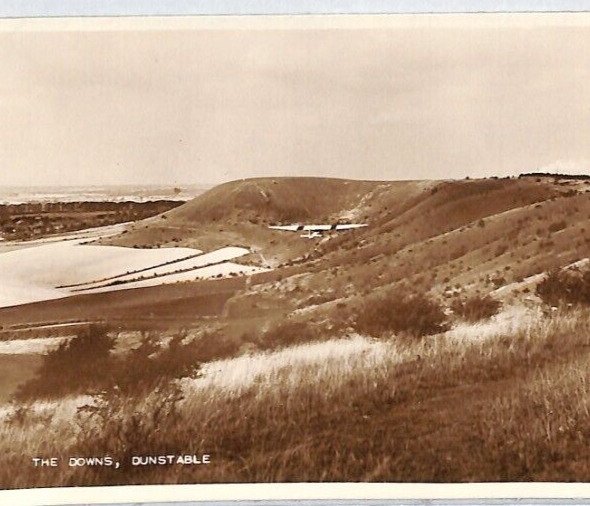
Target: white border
{"type": "Point", "coordinates": [292, 491]}
{"type": "Point", "coordinates": [53, 8]}
{"type": "Point", "coordinates": [290, 22]}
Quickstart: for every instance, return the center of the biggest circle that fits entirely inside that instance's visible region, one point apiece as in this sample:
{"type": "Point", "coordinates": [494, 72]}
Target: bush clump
{"type": "Point", "coordinates": [153, 363]}
{"type": "Point", "coordinates": [288, 333]}
{"type": "Point", "coordinates": [399, 311]}
{"type": "Point", "coordinates": [476, 308]}
{"type": "Point", "coordinates": [570, 286]}
{"type": "Point", "coordinates": [87, 364]}
{"type": "Point", "coordinates": [556, 226]}
{"type": "Point", "coordinates": [75, 365]}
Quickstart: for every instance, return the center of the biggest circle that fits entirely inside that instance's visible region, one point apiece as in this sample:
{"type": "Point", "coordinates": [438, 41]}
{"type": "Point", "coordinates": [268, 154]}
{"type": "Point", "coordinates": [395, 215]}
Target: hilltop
{"type": "Point", "coordinates": [239, 212]}
{"type": "Point", "coordinates": [270, 200]}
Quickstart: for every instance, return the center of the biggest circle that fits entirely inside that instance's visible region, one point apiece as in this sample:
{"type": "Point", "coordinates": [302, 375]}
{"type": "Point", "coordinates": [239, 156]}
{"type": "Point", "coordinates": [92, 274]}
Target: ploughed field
{"type": "Point", "coordinates": [446, 341]}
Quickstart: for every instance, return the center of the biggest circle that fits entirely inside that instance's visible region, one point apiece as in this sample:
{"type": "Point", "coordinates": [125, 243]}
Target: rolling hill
{"type": "Point", "coordinates": [237, 213]}
{"type": "Point", "coordinates": [498, 397]}
{"type": "Point", "coordinates": [449, 238]}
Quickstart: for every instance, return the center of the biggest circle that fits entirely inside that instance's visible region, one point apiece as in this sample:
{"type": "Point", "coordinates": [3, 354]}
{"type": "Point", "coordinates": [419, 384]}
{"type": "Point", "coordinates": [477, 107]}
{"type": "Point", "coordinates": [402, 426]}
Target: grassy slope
{"type": "Point", "coordinates": [510, 408]}
{"type": "Point", "coordinates": [468, 236]}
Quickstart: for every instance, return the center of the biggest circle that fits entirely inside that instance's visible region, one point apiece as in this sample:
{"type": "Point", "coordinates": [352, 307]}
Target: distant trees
{"type": "Point", "coordinates": [33, 220]}
{"type": "Point", "coordinates": [553, 175]}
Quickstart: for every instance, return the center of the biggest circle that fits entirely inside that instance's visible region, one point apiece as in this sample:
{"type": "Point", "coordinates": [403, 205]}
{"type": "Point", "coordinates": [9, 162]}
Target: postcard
{"type": "Point", "coordinates": [294, 257]}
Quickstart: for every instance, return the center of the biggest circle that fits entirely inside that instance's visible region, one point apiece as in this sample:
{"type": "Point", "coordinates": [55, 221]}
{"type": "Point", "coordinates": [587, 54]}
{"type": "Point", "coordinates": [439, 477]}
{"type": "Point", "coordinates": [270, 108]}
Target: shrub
{"type": "Point", "coordinates": [498, 281]}
{"type": "Point", "coordinates": [288, 333]}
{"type": "Point", "coordinates": [565, 286]}
{"type": "Point", "coordinates": [476, 308]}
{"type": "Point", "coordinates": [501, 249]}
{"type": "Point", "coordinates": [556, 226]}
{"type": "Point", "coordinates": [402, 312]}
{"type": "Point", "coordinates": [76, 365]}
{"type": "Point", "coordinates": [86, 364]}
{"type": "Point", "coordinates": [459, 252]}
{"type": "Point", "coordinates": [152, 364]}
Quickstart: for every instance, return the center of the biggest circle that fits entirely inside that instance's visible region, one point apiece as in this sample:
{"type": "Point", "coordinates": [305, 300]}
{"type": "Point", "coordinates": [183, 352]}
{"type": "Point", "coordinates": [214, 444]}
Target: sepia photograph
{"type": "Point", "coordinates": [287, 249]}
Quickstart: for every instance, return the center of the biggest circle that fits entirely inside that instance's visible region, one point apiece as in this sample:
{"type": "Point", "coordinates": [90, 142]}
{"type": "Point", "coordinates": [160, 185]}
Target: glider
{"type": "Point", "coordinates": [314, 231]}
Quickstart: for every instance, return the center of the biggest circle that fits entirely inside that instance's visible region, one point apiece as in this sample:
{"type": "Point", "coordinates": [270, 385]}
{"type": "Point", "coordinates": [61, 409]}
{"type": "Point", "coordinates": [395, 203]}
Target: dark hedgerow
{"type": "Point", "coordinates": [397, 311]}
{"type": "Point", "coordinates": [476, 308]}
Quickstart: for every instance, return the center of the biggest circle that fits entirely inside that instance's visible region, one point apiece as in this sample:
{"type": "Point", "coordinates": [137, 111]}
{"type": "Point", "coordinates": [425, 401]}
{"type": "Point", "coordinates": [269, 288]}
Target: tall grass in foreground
{"type": "Point", "coordinates": [545, 424]}
{"type": "Point", "coordinates": [513, 407]}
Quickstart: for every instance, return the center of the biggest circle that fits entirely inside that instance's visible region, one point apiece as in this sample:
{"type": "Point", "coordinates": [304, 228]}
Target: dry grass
{"type": "Point", "coordinates": [511, 406]}
{"type": "Point", "coordinates": [539, 428]}
{"type": "Point", "coordinates": [328, 361]}
{"type": "Point", "coordinates": [511, 321]}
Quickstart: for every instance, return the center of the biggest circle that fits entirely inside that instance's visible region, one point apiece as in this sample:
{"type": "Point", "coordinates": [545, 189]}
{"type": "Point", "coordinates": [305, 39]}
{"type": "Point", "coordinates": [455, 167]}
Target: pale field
{"type": "Point", "coordinates": [32, 274]}
{"type": "Point", "coordinates": [224, 269]}
{"type": "Point", "coordinates": [220, 255]}
{"type": "Point", "coordinates": [36, 272]}
{"type": "Point", "coordinates": [41, 345]}
{"type": "Point", "coordinates": [196, 268]}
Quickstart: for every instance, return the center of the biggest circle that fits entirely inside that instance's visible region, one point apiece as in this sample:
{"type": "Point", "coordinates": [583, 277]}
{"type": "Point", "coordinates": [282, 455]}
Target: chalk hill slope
{"type": "Point", "coordinates": [451, 238]}
{"type": "Point", "coordinates": [238, 212]}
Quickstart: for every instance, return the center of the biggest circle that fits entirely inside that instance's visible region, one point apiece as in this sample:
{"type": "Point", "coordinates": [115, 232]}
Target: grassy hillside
{"type": "Point", "coordinates": [447, 341]}
{"type": "Point", "coordinates": [455, 407]}
{"type": "Point", "coordinates": [450, 238]}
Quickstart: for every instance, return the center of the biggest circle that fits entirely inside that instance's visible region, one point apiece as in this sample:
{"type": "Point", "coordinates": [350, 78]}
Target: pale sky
{"type": "Point", "coordinates": [405, 99]}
